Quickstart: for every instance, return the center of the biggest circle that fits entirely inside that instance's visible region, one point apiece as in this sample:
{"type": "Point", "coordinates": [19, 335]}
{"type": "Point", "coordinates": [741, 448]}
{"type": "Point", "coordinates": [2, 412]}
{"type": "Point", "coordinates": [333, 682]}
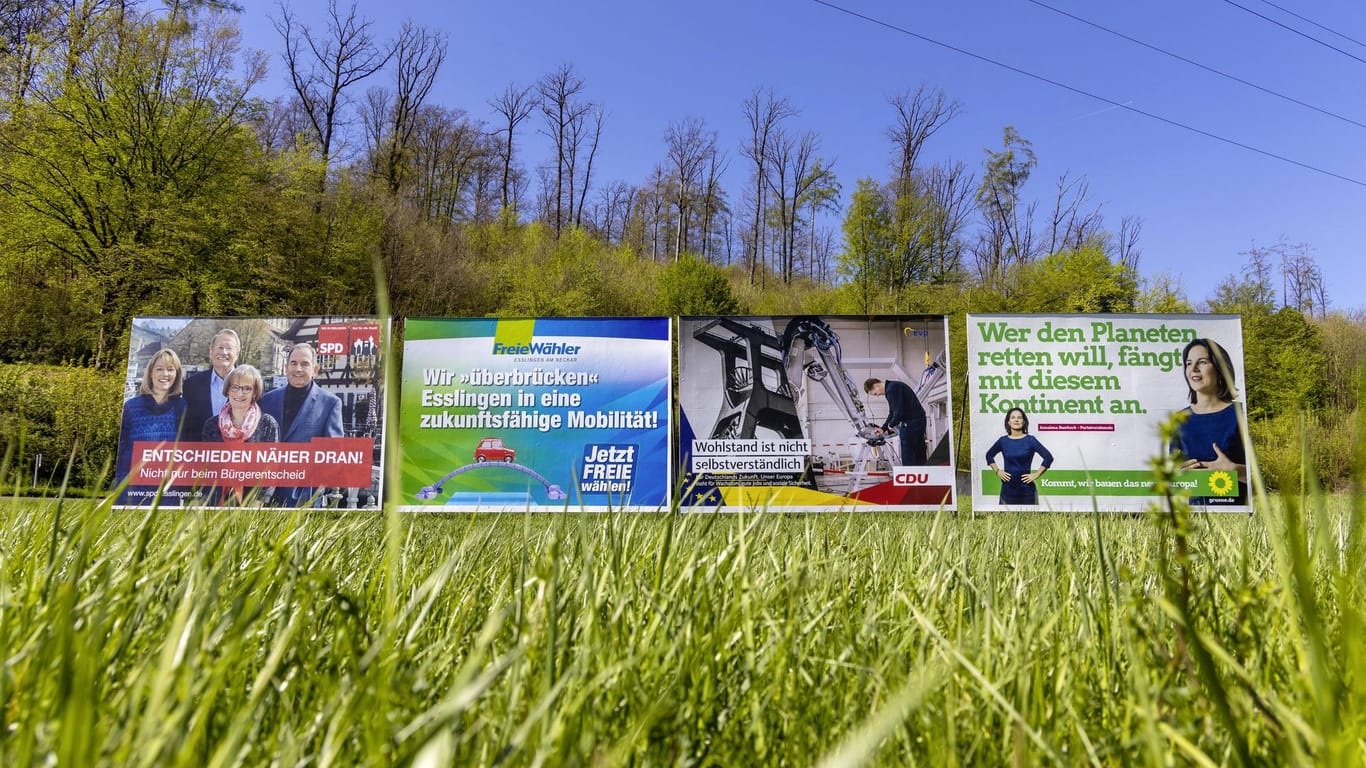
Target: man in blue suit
{"type": "Point", "coordinates": [204, 396]}
{"type": "Point", "coordinates": [304, 411]}
{"type": "Point", "coordinates": [905, 415]}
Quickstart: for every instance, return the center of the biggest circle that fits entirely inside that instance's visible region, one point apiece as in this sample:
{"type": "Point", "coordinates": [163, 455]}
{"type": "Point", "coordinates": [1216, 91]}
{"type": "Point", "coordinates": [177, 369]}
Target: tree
{"type": "Point", "coordinates": [324, 67]}
{"type": "Point", "coordinates": [795, 172]}
{"type": "Point", "coordinates": [514, 105]}
{"type": "Point", "coordinates": [1070, 227]}
{"type": "Point", "coordinates": [1249, 293]}
{"type": "Point", "coordinates": [27, 29]}
{"type": "Point", "coordinates": [949, 189]}
{"type": "Point", "coordinates": [919, 116]}
{"type": "Point", "coordinates": [1082, 280]}
{"type": "Point", "coordinates": [820, 191]}
{"type": "Point", "coordinates": [691, 286]}
{"type": "Point", "coordinates": [689, 147]}
{"type": "Point", "coordinates": [1286, 367]}
{"type": "Point", "coordinates": [596, 115]}
{"type": "Point", "coordinates": [418, 55]}
{"type": "Point", "coordinates": [1302, 280]}
{"type": "Point", "coordinates": [563, 110]}
{"type": "Point", "coordinates": [1008, 235]}
{"type": "Point", "coordinates": [868, 243]}
{"type": "Point", "coordinates": [1285, 363]}
{"type": "Point", "coordinates": [765, 114]}
{"type": "Point", "coordinates": [1161, 294]}
{"type": "Point", "coordinates": [124, 171]}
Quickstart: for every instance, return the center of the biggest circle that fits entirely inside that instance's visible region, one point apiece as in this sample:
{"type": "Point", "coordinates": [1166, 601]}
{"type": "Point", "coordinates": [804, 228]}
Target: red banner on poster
{"type": "Point", "coordinates": [343, 462]}
{"type": "Point", "coordinates": [348, 338]}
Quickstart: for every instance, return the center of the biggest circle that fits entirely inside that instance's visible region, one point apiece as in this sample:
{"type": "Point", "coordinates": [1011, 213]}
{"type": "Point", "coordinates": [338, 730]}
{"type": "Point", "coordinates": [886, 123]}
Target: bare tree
{"type": "Point", "coordinates": [614, 209]}
{"type": "Point", "coordinates": [448, 150]}
{"type": "Point", "coordinates": [514, 105]}
{"type": "Point", "coordinates": [794, 171]}
{"type": "Point", "coordinates": [713, 198]}
{"type": "Point", "coordinates": [949, 187]}
{"type": "Point", "coordinates": [563, 111]}
{"type": "Point", "coordinates": [1070, 227]}
{"type": "Point", "coordinates": [595, 113]}
{"type": "Point", "coordinates": [765, 114]}
{"type": "Point", "coordinates": [1302, 279]}
{"type": "Point", "coordinates": [653, 200]}
{"type": "Point", "coordinates": [418, 55]}
{"type": "Point", "coordinates": [280, 123]}
{"type": "Point", "coordinates": [1127, 251]}
{"type": "Point", "coordinates": [919, 116]}
{"type": "Point", "coordinates": [323, 67]}
{"type": "Point", "coordinates": [688, 146]}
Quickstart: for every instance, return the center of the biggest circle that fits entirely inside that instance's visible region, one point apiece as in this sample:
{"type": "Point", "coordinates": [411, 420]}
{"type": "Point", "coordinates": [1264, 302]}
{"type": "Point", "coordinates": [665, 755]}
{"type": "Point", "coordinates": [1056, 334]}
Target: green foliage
{"type": "Point", "coordinates": [1281, 442]}
{"type": "Point", "coordinates": [868, 245]}
{"type": "Point", "coordinates": [690, 286]}
{"type": "Point", "coordinates": [1084, 280]}
{"type": "Point", "coordinates": [1162, 294]}
{"type": "Point", "coordinates": [123, 169]}
{"type": "Point", "coordinates": [1344, 353]}
{"type": "Point", "coordinates": [68, 415]}
{"type": "Point", "coordinates": [1286, 367]}
{"type": "Point", "coordinates": [894, 240]}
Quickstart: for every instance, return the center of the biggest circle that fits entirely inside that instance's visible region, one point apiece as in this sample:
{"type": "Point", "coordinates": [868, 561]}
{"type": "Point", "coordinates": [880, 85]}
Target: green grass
{"type": "Point", "coordinates": [188, 638]}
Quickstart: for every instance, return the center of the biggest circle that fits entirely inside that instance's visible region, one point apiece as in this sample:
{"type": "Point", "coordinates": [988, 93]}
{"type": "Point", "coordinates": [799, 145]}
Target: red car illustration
{"type": "Point", "coordinates": [493, 449]}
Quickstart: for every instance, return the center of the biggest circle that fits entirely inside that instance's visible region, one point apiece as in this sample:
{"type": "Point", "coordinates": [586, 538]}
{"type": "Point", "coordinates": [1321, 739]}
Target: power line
{"type": "Point", "coordinates": [1194, 63]}
{"type": "Point", "coordinates": [1287, 28]}
{"type": "Point", "coordinates": [1311, 22]}
{"type": "Point", "coordinates": [1088, 94]}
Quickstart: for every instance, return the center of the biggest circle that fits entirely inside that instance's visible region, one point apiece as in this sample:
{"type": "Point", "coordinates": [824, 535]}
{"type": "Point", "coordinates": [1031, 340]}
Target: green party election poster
{"type": "Point", "coordinates": [1066, 410]}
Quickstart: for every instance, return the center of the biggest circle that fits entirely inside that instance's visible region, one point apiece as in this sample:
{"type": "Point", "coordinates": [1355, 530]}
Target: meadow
{"type": "Point", "coordinates": [182, 637]}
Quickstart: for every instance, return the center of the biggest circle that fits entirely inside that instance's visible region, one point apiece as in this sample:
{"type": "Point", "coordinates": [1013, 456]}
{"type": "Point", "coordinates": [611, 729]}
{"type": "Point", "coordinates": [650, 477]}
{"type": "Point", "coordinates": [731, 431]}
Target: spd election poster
{"type": "Point", "coordinates": [253, 411]}
{"type": "Point", "coordinates": [1066, 410]}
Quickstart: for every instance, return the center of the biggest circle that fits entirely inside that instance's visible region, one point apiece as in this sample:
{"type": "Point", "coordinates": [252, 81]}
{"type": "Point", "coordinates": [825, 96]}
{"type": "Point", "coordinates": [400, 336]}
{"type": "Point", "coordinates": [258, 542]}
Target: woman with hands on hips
{"type": "Point", "coordinates": [1017, 447]}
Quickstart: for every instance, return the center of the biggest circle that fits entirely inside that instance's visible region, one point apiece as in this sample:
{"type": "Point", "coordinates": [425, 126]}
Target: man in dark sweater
{"type": "Point", "coordinates": [905, 415]}
{"type": "Point", "coordinates": [304, 411]}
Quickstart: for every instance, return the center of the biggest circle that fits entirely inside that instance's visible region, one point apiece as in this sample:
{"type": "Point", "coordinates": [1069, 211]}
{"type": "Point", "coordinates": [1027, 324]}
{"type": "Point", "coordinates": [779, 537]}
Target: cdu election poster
{"type": "Point", "coordinates": [253, 411]}
{"type": "Point", "coordinates": [1066, 410]}
{"type": "Point", "coordinates": [536, 414]}
{"type": "Point", "coordinates": [815, 413]}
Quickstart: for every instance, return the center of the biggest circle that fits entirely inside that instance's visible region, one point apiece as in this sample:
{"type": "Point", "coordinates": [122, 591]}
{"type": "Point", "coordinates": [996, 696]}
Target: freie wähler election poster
{"type": "Point", "coordinates": [536, 414]}
{"type": "Point", "coordinates": [815, 413]}
{"type": "Point", "coordinates": [253, 411]}
{"type": "Point", "coordinates": [1066, 410]}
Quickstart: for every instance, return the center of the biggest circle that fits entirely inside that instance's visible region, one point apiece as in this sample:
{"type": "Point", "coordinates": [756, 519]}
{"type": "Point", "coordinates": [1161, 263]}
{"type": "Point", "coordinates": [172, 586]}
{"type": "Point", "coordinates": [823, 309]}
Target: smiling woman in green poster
{"type": "Point", "coordinates": [1210, 438]}
{"type": "Point", "coordinates": [1018, 449]}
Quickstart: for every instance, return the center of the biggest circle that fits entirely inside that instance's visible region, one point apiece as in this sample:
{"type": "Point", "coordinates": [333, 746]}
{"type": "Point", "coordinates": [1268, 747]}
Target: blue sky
{"type": "Point", "coordinates": [1202, 202]}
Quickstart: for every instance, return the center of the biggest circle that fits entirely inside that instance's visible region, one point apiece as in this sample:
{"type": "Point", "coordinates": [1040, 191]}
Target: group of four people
{"type": "Point", "coordinates": [227, 403]}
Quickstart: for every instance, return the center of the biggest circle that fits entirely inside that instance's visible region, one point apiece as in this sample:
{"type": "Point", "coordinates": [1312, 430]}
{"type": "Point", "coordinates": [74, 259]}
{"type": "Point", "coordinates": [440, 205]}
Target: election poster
{"type": "Point", "coordinates": [253, 411]}
{"type": "Point", "coordinates": [1066, 410]}
{"type": "Point", "coordinates": [807, 413]}
{"type": "Point", "coordinates": [536, 414]}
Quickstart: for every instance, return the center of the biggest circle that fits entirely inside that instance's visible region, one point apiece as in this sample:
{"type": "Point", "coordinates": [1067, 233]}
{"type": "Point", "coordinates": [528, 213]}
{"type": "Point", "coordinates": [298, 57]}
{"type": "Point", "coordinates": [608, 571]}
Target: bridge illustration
{"type": "Point", "coordinates": [553, 492]}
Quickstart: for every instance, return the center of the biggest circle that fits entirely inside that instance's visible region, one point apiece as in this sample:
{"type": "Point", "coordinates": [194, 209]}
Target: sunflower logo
{"type": "Point", "coordinates": [1221, 483]}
